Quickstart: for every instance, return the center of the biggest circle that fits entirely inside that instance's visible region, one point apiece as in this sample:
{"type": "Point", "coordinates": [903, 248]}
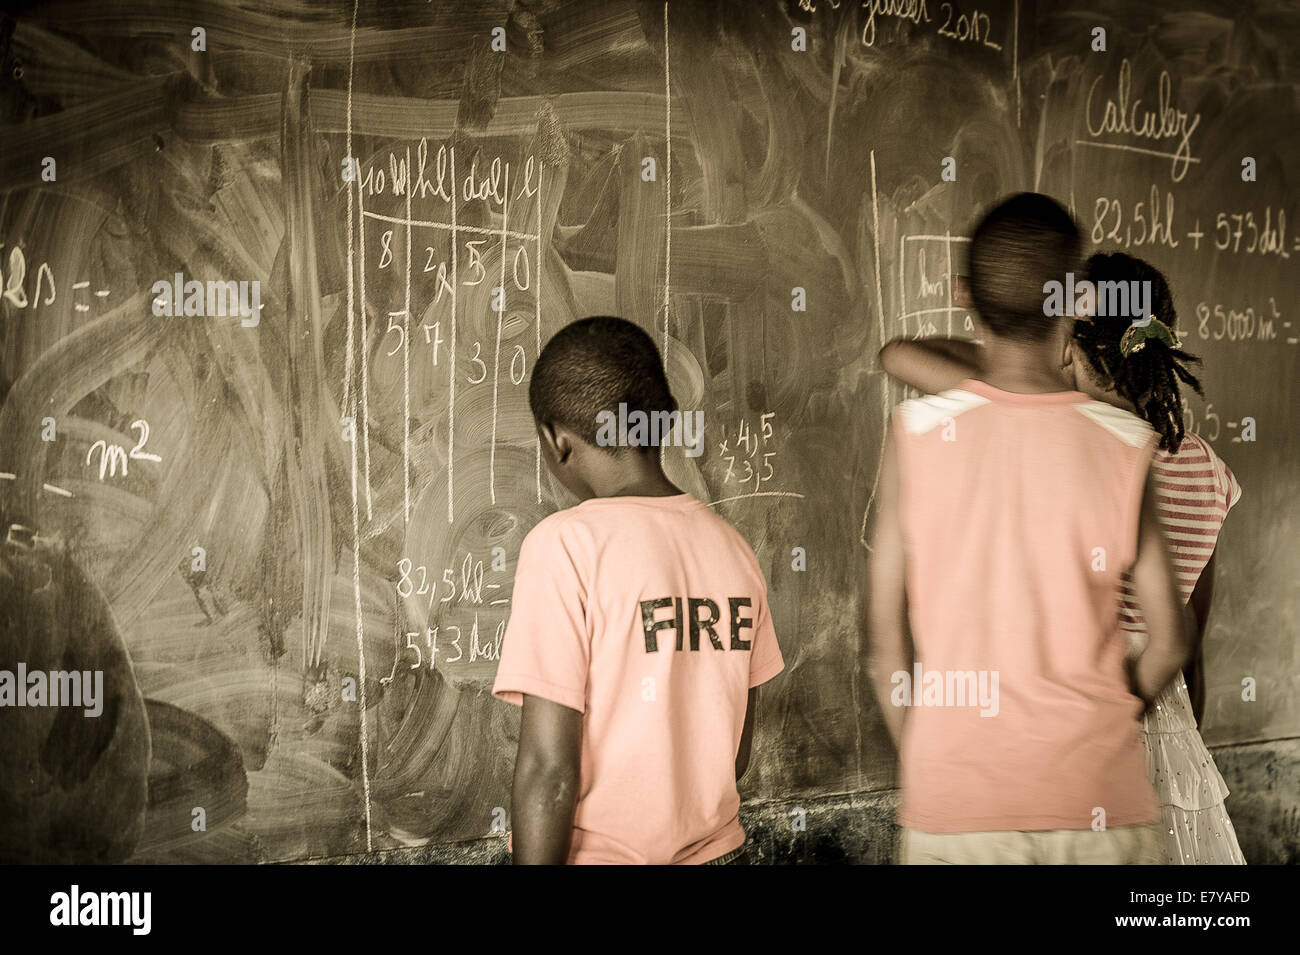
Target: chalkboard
{"type": "Point", "coordinates": [274, 276]}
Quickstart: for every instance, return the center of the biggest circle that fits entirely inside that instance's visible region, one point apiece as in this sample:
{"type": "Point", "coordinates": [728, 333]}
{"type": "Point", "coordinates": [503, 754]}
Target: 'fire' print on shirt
{"type": "Point", "coordinates": [695, 621]}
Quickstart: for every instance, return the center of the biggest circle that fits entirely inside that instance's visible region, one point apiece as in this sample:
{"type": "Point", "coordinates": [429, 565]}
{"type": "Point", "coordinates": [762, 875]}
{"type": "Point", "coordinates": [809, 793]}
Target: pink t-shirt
{"type": "Point", "coordinates": [1019, 515]}
{"type": "Point", "coordinates": [649, 616]}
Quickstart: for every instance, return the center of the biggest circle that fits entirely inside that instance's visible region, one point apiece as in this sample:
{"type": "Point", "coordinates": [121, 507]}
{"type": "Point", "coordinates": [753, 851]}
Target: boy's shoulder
{"type": "Point", "coordinates": [923, 414]}
{"type": "Point", "coordinates": [1124, 425]}
{"type": "Point", "coordinates": [583, 527]}
{"type": "Point", "coordinates": [550, 529]}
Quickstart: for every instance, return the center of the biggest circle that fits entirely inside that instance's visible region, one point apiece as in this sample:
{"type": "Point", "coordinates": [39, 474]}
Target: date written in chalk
{"type": "Point", "coordinates": [1206, 895]}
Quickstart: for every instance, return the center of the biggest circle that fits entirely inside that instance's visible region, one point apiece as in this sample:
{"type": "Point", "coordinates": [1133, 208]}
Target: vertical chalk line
{"type": "Point", "coordinates": [875, 242]}
{"type": "Point", "coordinates": [902, 287]}
{"type": "Point", "coordinates": [361, 644]}
{"type": "Point", "coordinates": [496, 361]}
{"type": "Point", "coordinates": [350, 358]}
{"type": "Point", "coordinates": [451, 407]}
{"type": "Point", "coordinates": [1015, 57]}
{"type": "Point", "coordinates": [406, 359]}
{"type": "Point", "coordinates": [880, 319]}
{"type": "Point", "coordinates": [947, 248]}
{"type": "Point", "coordinates": [365, 346]}
{"type": "Point", "coordinates": [668, 184]}
{"type": "Point", "coordinates": [356, 517]}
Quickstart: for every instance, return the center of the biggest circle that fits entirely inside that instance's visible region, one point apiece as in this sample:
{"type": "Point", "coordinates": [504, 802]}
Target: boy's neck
{"type": "Point", "coordinates": [637, 474]}
{"type": "Point", "coordinates": [1025, 368]}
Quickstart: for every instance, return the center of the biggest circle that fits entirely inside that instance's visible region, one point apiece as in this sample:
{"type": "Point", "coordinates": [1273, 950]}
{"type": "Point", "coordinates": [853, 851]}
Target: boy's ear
{"type": "Point", "coordinates": [1074, 364]}
{"type": "Point", "coordinates": [551, 439]}
{"type": "Point", "coordinates": [558, 441]}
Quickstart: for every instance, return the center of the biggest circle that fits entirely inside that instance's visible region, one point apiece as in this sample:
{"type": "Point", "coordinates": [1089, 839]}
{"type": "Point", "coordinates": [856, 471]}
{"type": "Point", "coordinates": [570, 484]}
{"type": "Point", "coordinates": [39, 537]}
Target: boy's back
{"type": "Point", "coordinates": [1019, 512]}
{"type": "Point", "coordinates": [601, 622]}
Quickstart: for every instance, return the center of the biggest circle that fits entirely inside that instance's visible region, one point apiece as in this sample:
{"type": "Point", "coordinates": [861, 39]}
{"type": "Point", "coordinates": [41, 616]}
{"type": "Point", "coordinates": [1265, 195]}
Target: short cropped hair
{"type": "Point", "coordinates": [1025, 242]}
{"type": "Point", "coordinates": [594, 365]}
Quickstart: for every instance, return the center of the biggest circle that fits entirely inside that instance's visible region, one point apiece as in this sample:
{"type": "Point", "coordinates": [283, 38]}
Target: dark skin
{"type": "Point", "coordinates": [545, 793]}
{"type": "Point", "coordinates": [888, 644]}
{"type": "Point", "coordinates": [936, 365]}
{"type": "Point", "coordinates": [1194, 671]}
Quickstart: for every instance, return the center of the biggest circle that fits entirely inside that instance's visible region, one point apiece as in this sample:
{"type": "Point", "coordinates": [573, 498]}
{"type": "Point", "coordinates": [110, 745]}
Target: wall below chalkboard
{"type": "Point", "coordinates": [859, 828]}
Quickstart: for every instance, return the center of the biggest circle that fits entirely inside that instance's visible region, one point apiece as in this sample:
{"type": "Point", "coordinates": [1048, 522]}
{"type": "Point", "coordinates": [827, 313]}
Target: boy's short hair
{"type": "Point", "coordinates": [594, 365]}
{"type": "Point", "coordinates": [1023, 243]}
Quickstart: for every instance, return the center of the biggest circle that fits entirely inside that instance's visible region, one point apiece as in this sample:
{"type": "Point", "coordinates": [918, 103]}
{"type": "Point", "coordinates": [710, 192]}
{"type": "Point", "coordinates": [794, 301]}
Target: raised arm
{"type": "Point", "coordinates": [931, 365]}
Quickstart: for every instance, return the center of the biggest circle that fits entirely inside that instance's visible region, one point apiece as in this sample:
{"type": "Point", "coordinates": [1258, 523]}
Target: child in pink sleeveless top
{"type": "Point", "coordinates": [1008, 507]}
{"type": "Point", "coordinates": [1194, 491]}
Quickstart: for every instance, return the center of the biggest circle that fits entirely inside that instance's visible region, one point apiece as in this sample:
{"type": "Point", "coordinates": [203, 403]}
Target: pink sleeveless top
{"type": "Point", "coordinates": [1019, 515]}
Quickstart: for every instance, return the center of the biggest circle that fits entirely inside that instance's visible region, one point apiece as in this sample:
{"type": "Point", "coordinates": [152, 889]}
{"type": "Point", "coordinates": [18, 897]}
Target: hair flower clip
{"type": "Point", "coordinates": [1144, 329]}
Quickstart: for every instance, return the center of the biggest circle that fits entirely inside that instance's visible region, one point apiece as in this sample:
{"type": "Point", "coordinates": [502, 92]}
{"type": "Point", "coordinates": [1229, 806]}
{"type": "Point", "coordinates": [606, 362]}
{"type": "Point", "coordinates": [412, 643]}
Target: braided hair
{"type": "Point", "coordinates": [1147, 377]}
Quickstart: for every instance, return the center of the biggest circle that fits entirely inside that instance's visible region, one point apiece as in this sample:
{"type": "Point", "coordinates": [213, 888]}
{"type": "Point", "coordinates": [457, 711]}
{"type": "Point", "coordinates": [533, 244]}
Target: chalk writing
{"type": "Point", "coordinates": [1152, 222]}
{"type": "Point", "coordinates": [1265, 238]}
{"type": "Point", "coordinates": [756, 468]}
{"type": "Point", "coordinates": [113, 456]}
{"type": "Point", "coordinates": [974, 27]}
{"type": "Point", "coordinates": [424, 647]}
{"type": "Point", "coordinates": [1115, 115]}
{"type": "Point", "coordinates": [1240, 325]}
{"type": "Point", "coordinates": [966, 26]}
{"type": "Point", "coordinates": [42, 291]}
{"type": "Point", "coordinates": [471, 582]}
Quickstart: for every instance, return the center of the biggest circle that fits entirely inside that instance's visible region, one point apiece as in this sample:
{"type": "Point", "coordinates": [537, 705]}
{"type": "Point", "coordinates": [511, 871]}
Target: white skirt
{"type": "Point", "coordinates": [1195, 827]}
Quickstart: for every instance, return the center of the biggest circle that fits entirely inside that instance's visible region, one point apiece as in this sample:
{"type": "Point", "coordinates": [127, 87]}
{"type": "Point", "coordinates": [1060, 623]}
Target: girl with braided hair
{"type": "Point", "coordinates": [1138, 365]}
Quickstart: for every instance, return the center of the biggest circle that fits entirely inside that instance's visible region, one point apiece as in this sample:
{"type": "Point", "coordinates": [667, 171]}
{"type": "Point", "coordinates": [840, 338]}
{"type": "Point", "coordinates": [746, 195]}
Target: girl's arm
{"type": "Point", "coordinates": [931, 365]}
{"type": "Point", "coordinates": [1194, 672]}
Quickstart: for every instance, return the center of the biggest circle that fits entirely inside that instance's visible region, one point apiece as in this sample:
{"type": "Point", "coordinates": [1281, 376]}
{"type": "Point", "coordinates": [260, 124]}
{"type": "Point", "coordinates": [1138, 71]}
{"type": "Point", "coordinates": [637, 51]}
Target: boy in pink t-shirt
{"type": "Point", "coordinates": [639, 631]}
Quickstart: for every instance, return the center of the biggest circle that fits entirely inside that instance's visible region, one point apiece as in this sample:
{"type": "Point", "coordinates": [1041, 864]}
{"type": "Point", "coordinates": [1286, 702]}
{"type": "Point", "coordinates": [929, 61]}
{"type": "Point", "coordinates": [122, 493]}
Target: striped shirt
{"type": "Point", "coordinates": [1194, 490]}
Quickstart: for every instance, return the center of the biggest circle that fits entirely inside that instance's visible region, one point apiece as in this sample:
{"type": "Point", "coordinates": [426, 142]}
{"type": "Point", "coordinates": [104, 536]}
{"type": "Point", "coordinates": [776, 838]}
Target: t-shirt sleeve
{"type": "Point", "coordinates": [1231, 489]}
{"type": "Point", "coordinates": [546, 649]}
{"type": "Point", "coordinates": [765, 660]}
